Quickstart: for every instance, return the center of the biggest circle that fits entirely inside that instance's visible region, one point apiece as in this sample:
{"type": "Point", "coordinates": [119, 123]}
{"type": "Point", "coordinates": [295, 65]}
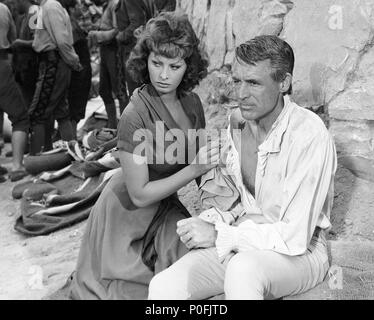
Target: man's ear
{"type": "Point", "coordinates": [286, 83]}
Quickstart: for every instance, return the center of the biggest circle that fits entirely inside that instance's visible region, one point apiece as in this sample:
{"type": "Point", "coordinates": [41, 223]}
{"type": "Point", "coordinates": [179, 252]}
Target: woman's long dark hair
{"type": "Point", "coordinates": [171, 35]}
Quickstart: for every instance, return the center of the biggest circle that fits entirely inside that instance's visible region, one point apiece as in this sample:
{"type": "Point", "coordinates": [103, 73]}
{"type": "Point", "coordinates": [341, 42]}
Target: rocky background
{"type": "Point", "coordinates": [333, 43]}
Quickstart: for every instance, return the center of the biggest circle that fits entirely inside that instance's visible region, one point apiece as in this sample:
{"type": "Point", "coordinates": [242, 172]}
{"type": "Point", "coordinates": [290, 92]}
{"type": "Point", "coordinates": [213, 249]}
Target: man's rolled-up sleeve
{"type": "Point", "coordinates": [105, 36]}
{"type": "Point", "coordinates": [307, 191]}
{"type": "Point", "coordinates": [57, 29]}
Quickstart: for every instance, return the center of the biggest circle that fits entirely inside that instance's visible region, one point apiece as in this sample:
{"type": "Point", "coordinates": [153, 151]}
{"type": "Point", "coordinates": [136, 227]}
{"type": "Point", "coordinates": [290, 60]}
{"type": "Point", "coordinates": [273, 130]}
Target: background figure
{"type": "Point", "coordinates": [105, 38]}
{"type": "Point", "coordinates": [131, 14]}
{"type": "Point", "coordinates": [54, 42]}
{"type": "Point", "coordinates": [1, 131]}
{"type": "Point", "coordinates": [80, 83]}
{"type": "Point", "coordinates": [25, 59]}
{"type": "Point", "coordinates": [11, 100]}
{"type": "Point", "coordinates": [12, 6]}
{"type": "Point", "coordinates": [13, 10]}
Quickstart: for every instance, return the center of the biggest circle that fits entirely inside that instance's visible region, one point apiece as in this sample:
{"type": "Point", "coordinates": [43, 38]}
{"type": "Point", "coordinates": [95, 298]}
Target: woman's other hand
{"type": "Point", "coordinates": [207, 158]}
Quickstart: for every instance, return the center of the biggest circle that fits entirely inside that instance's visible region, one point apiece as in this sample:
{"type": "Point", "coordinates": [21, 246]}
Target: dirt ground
{"type": "Point", "coordinates": [37, 267]}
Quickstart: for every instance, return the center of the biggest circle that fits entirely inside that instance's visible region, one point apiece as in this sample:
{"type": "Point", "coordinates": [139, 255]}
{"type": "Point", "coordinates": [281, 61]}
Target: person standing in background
{"type": "Point", "coordinates": [54, 42]}
{"type": "Point", "coordinates": [12, 9]}
{"type": "Point", "coordinates": [80, 83]}
{"type": "Point", "coordinates": [105, 37]}
{"type": "Point", "coordinates": [11, 100]}
{"type": "Point", "coordinates": [132, 14]}
{"type": "Point", "coordinates": [25, 59]}
{"type": "Point", "coordinates": [12, 6]}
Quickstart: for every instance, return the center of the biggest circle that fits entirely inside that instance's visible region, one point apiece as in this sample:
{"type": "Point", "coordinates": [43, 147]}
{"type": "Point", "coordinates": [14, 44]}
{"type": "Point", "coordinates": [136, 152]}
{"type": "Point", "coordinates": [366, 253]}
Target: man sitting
{"type": "Point", "coordinates": [275, 246]}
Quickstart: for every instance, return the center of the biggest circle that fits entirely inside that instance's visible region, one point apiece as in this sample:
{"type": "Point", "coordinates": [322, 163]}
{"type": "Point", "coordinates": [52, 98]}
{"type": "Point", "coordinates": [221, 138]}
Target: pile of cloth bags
{"type": "Point", "coordinates": [66, 182]}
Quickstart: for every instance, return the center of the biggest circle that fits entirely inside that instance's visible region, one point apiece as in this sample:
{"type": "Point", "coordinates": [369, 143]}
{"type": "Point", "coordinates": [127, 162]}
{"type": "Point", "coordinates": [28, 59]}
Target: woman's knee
{"type": "Point", "coordinates": [244, 278]}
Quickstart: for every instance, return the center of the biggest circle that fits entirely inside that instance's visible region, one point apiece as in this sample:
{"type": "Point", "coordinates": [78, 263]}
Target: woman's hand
{"type": "Point", "coordinates": [207, 158]}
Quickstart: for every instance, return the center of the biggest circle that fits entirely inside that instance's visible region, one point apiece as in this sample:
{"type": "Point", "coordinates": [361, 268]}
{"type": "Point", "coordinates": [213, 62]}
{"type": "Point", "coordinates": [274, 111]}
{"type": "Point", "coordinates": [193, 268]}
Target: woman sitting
{"type": "Point", "coordinates": [131, 231]}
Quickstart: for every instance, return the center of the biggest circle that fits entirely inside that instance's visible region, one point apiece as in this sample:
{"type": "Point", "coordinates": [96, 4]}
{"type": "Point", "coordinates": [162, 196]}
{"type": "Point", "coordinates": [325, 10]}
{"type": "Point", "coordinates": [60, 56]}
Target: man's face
{"type": "Point", "coordinates": [255, 90]}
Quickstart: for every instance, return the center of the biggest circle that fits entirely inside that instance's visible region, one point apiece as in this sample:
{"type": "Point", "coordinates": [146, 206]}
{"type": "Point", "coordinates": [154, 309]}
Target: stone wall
{"type": "Point", "coordinates": [333, 42]}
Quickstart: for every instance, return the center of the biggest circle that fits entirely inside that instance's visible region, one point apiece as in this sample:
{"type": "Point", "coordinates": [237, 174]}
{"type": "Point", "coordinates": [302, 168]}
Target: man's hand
{"type": "Point", "coordinates": [78, 68]}
{"type": "Point", "coordinates": [119, 37]}
{"type": "Point", "coordinates": [196, 233]}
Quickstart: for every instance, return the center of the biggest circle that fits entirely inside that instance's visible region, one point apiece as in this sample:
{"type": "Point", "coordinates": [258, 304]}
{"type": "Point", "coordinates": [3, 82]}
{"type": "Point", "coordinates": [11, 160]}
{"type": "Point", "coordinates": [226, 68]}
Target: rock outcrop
{"type": "Point", "coordinates": [333, 42]}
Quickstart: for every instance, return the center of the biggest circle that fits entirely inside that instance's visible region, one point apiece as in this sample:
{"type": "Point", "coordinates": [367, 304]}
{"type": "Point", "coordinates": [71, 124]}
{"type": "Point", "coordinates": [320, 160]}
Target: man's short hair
{"type": "Point", "coordinates": [264, 47]}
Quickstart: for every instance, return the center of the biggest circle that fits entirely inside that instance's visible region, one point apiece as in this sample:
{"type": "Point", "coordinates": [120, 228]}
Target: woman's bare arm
{"type": "Point", "coordinates": [144, 192]}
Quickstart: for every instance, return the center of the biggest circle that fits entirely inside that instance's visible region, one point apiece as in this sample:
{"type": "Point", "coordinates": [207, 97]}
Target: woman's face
{"type": "Point", "coordinates": [165, 74]}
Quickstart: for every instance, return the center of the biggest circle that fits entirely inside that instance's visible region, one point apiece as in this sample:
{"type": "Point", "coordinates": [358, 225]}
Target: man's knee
{"type": "Point", "coordinates": [242, 262]}
{"type": "Point", "coordinates": [155, 289]}
{"type": "Point", "coordinates": [244, 276]}
{"type": "Point", "coordinates": [19, 117]}
{"type": "Point", "coordinates": [21, 125]}
{"type": "Point", "coordinates": [165, 286]}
